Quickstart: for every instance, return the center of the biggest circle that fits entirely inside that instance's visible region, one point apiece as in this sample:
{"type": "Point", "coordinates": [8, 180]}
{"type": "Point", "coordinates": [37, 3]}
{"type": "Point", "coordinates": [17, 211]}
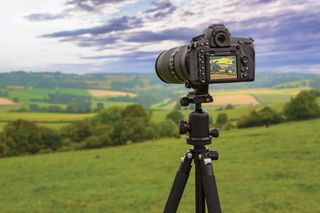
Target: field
{"type": "Point", "coordinates": [222, 100]}
{"type": "Point", "coordinates": [5, 101]}
{"type": "Point", "coordinates": [53, 120]}
{"type": "Point", "coordinates": [244, 101]}
{"type": "Point", "coordinates": [107, 93]}
{"type": "Point", "coordinates": [260, 170]}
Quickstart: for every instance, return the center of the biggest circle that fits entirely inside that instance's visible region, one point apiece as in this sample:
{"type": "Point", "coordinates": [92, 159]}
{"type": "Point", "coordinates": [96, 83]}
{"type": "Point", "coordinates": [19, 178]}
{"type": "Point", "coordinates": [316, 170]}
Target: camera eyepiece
{"type": "Point", "coordinates": [221, 39]}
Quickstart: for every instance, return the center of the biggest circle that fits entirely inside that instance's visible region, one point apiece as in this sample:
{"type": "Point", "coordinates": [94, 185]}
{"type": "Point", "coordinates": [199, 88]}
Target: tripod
{"type": "Point", "coordinates": [198, 135]}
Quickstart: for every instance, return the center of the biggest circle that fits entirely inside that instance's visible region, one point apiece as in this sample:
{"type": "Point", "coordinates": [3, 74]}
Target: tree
{"type": "Point", "coordinates": [2, 146]}
{"type": "Point", "coordinates": [34, 108]}
{"type": "Point", "coordinates": [16, 99]}
{"type": "Point", "coordinates": [175, 116]}
{"type": "Point", "coordinates": [21, 137]}
{"type": "Point", "coordinates": [134, 125]}
{"type": "Point", "coordinates": [133, 129]}
{"type": "Point", "coordinates": [229, 106]}
{"type": "Point", "coordinates": [269, 116]}
{"type": "Point", "coordinates": [50, 137]}
{"type": "Point", "coordinates": [221, 119]}
{"type": "Point", "coordinates": [77, 131]}
{"type": "Point", "coordinates": [135, 111]}
{"type": "Point", "coordinates": [99, 106]}
{"type": "Point", "coordinates": [303, 106]}
{"type": "Point", "coordinates": [103, 132]}
{"type": "Point", "coordinates": [168, 128]}
{"type": "Point", "coordinates": [92, 142]}
{"type": "Point", "coordinates": [264, 117]}
{"type": "Point", "coordinates": [108, 116]}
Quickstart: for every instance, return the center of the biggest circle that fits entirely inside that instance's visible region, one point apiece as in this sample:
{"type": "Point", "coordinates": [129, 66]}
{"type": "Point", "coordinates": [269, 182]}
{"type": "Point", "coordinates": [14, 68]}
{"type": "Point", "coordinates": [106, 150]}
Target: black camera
{"type": "Point", "coordinates": [211, 57]}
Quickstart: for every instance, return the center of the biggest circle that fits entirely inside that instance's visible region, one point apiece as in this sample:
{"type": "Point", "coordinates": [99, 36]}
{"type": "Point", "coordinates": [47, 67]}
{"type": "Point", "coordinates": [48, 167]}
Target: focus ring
{"type": "Point", "coordinates": [172, 66]}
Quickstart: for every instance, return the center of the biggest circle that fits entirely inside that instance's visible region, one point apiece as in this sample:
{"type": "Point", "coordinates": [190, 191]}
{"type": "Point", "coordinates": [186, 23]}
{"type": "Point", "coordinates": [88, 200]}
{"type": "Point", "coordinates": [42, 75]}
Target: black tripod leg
{"type": "Point", "coordinates": [200, 198]}
{"type": "Point", "coordinates": [210, 187]}
{"type": "Point", "coordinates": [179, 184]}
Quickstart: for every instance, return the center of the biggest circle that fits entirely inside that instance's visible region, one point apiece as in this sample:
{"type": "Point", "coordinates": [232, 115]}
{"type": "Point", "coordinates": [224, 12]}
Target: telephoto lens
{"type": "Point", "coordinates": [171, 65]}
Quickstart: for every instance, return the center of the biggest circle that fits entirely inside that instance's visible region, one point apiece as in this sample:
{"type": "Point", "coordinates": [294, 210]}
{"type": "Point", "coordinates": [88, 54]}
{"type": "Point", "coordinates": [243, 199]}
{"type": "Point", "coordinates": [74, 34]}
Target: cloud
{"type": "Point", "coordinates": [139, 55]}
{"type": "Point", "coordinates": [114, 25]}
{"type": "Point", "coordinates": [160, 9]}
{"type": "Point", "coordinates": [93, 5]}
{"type": "Point", "coordinates": [184, 34]}
{"type": "Point", "coordinates": [285, 31]}
{"type": "Point", "coordinates": [36, 17]}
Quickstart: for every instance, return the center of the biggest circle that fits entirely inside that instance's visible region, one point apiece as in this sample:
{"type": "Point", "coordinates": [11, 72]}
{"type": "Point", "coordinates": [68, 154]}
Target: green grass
{"type": "Point", "coordinates": [40, 93]}
{"type": "Point", "coordinates": [271, 99]}
{"type": "Point", "coordinates": [52, 125]}
{"type": "Point", "coordinates": [260, 170]}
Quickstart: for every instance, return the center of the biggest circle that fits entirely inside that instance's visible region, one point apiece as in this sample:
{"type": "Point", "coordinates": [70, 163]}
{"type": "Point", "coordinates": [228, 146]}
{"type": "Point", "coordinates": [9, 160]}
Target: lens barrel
{"type": "Point", "coordinates": [171, 65]}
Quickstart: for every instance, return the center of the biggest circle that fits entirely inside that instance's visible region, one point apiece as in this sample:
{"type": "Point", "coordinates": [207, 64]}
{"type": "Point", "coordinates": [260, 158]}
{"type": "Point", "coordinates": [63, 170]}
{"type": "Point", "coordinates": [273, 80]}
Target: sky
{"type": "Point", "coordinates": [121, 36]}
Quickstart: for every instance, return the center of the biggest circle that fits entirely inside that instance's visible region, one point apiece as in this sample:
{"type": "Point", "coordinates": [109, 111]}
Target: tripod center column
{"type": "Point", "coordinates": [199, 127]}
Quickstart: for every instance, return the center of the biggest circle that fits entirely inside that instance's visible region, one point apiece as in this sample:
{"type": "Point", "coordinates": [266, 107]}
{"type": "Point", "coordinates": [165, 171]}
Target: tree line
{"type": "Point", "coordinates": [110, 127]}
{"type": "Point", "coordinates": [74, 104]}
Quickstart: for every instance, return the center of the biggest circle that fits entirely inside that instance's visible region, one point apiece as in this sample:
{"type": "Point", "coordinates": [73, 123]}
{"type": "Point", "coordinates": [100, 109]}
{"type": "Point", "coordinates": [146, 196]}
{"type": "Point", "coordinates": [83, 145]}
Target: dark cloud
{"type": "Point", "coordinates": [160, 9]}
{"type": "Point", "coordinates": [92, 5]}
{"type": "Point", "coordinates": [288, 39]}
{"type": "Point", "coordinates": [139, 55]}
{"type": "Point", "coordinates": [288, 31]}
{"type": "Point", "coordinates": [118, 24]}
{"type": "Point", "coordinates": [43, 17]}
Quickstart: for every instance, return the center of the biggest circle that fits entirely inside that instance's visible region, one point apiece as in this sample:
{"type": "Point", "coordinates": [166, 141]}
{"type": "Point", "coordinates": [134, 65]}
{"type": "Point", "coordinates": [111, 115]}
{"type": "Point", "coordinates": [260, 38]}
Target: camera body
{"type": "Point", "coordinates": [211, 57]}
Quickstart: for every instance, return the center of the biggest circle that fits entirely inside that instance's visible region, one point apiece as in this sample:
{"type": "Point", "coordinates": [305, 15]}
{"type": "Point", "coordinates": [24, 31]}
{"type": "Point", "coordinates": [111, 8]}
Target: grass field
{"type": "Point", "coordinates": [272, 169]}
{"type": "Point", "coordinates": [40, 93]}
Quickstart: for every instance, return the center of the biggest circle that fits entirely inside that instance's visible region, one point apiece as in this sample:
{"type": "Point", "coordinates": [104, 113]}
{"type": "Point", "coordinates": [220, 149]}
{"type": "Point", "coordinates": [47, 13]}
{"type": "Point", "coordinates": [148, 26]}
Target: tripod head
{"type": "Point", "coordinates": [199, 95]}
{"type": "Point", "coordinates": [198, 125]}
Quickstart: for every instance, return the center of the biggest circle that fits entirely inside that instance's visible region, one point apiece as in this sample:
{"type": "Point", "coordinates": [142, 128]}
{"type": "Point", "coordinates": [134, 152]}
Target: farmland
{"type": "Point", "coordinates": [5, 101]}
{"type": "Point", "coordinates": [27, 90]}
{"type": "Point", "coordinates": [106, 93]}
{"type": "Point", "coordinates": [259, 170]}
{"type": "Point", "coordinates": [243, 101]}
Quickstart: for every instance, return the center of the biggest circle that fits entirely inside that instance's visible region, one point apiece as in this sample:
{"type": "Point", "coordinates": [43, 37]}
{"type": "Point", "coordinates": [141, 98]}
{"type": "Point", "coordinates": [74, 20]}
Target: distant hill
{"type": "Point", "coordinates": [129, 81]}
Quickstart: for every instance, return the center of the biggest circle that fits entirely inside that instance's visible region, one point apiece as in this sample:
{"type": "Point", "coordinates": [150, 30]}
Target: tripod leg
{"type": "Point", "coordinates": [179, 184]}
{"type": "Point", "coordinates": [210, 187]}
{"type": "Point", "coordinates": [200, 198]}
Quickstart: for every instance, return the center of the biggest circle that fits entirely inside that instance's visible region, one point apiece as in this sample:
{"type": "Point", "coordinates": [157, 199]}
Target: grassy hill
{"type": "Point", "coordinates": [272, 169]}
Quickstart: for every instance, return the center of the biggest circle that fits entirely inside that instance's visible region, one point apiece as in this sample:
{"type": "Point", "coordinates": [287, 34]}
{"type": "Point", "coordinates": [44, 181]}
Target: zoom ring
{"type": "Point", "coordinates": [171, 64]}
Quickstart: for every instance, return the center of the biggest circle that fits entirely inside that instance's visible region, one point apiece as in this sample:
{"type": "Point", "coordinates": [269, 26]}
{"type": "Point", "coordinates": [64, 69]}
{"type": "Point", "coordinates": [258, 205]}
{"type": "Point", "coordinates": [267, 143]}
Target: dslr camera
{"type": "Point", "coordinates": [211, 57]}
